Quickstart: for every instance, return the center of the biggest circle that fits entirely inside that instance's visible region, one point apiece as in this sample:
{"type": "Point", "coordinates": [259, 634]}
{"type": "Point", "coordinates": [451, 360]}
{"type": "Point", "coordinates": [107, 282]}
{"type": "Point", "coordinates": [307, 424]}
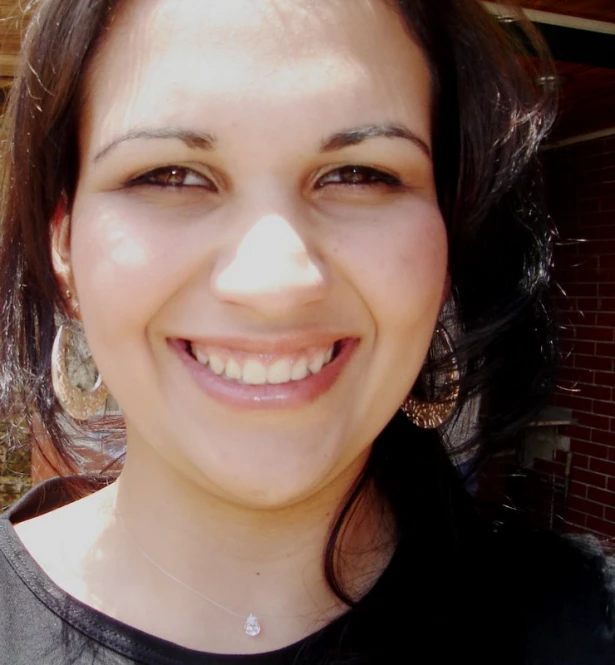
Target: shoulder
{"type": "Point", "coordinates": [16, 599]}
{"type": "Point", "coordinates": [563, 592]}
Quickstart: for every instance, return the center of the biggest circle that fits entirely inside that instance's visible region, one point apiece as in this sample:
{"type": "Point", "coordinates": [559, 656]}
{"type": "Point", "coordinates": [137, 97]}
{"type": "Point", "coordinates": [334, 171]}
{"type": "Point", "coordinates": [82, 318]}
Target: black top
{"type": "Point", "coordinates": [518, 597]}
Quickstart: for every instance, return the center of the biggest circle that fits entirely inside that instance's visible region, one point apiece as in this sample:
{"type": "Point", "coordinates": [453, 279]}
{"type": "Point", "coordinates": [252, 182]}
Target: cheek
{"type": "Point", "coordinates": [400, 263]}
{"type": "Point", "coordinates": [398, 268]}
{"type": "Point", "coordinates": [125, 266]}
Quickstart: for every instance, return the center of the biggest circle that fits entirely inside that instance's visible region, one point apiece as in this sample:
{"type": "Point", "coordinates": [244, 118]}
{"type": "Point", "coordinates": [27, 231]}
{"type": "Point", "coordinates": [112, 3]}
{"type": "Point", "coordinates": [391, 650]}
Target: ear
{"type": "Point", "coordinates": [60, 254]}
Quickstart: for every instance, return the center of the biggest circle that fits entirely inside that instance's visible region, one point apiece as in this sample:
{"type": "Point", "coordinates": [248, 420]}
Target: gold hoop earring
{"type": "Point", "coordinates": [431, 415]}
{"type": "Point", "coordinates": [78, 403]}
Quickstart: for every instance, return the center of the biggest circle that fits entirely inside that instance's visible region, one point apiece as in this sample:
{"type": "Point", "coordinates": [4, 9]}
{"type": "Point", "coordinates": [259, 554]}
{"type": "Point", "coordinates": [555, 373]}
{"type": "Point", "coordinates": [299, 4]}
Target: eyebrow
{"type": "Point", "coordinates": [189, 138]}
{"type": "Point", "coordinates": [337, 141]}
{"type": "Point", "coordinates": [357, 135]}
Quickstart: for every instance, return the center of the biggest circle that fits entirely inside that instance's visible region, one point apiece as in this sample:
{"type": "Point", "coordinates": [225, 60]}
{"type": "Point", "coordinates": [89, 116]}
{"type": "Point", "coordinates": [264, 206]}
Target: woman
{"type": "Point", "coordinates": [266, 214]}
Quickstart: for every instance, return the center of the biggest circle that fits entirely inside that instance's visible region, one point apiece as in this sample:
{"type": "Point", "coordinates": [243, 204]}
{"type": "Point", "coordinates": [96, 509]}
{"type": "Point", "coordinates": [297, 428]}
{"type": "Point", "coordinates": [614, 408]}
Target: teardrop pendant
{"type": "Point", "coordinates": [252, 626]}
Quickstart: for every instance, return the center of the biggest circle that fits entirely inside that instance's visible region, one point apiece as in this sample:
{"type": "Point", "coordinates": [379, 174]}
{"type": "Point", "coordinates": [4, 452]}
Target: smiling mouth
{"type": "Point", "coordinates": [263, 369]}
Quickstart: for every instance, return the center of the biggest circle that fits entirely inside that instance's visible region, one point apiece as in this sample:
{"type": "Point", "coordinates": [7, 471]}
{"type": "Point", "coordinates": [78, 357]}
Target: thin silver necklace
{"type": "Point", "coordinates": [251, 626]}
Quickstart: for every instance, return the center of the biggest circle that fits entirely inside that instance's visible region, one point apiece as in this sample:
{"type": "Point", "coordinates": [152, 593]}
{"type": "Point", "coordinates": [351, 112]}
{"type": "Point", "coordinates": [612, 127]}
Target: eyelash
{"type": "Point", "coordinates": [149, 179]}
{"type": "Point", "coordinates": [358, 176]}
{"type": "Point", "coordinates": [351, 176]}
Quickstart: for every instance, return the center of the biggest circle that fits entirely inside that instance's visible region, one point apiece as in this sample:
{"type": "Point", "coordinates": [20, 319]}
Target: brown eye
{"type": "Point", "coordinates": [358, 176]}
{"type": "Point", "coordinates": [173, 177]}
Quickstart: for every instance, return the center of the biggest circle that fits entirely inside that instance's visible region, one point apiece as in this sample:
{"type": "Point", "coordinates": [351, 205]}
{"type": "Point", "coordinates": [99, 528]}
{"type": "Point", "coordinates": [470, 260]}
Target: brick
{"type": "Point", "coordinates": [606, 304]}
{"type": "Point", "coordinates": [588, 304]}
{"type": "Point", "coordinates": [564, 388]}
{"type": "Point", "coordinates": [600, 526]}
{"type": "Point", "coordinates": [584, 347]}
{"type": "Point", "coordinates": [601, 496]}
{"type": "Point", "coordinates": [574, 317]}
{"type": "Point", "coordinates": [592, 217]}
{"type": "Point", "coordinates": [566, 298]}
{"type": "Point", "coordinates": [604, 378]}
{"type": "Point", "coordinates": [604, 288]}
{"type": "Point", "coordinates": [574, 517]}
{"type": "Point", "coordinates": [560, 456]}
{"type": "Point", "coordinates": [600, 363]}
{"type": "Point", "coordinates": [585, 506]}
{"type": "Point", "coordinates": [574, 529]}
{"type": "Point", "coordinates": [596, 227]}
{"type": "Point", "coordinates": [578, 489]}
{"type": "Point", "coordinates": [609, 514]}
{"type": "Point", "coordinates": [574, 289]}
{"type": "Point", "coordinates": [605, 438]}
{"type": "Point", "coordinates": [568, 307]}
{"type": "Point", "coordinates": [590, 449]}
{"type": "Point", "coordinates": [604, 408]}
{"type": "Point", "coordinates": [569, 313]}
{"type": "Point", "coordinates": [602, 466]}
{"type": "Point", "coordinates": [569, 373]}
{"type": "Point", "coordinates": [568, 251]}
{"type": "Point", "coordinates": [565, 275]}
{"type": "Point", "coordinates": [596, 392]}
{"type": "Point", "coordinates": [579, 433]}
{"type": "Point", "coordinates": [611, 484]}
{"type": "Point", "coordinates": [603, 349]}
{"type": "Point", "coordinates": [592, 420]}
{"type": "Point", "coordinates": [575, 401]}
{"type": "Point", "coordinates": [599, 247]}
{"type": "Point", "coordinates": [582, 210]}
{"type": "Point", "coordinates": [595, 333]}
{"type": "Point", "coordinates": [605, 319]}
{"type": "Point", "coordinates": [563, 392]}
{"type": "Point", "coordinates": [581, 462]}
{"type": "Point", "coordinates": [576, 346]}
{"type": "Point", "coordinates": [588, 271]}
{"type": "Point", "coordinates": [589, 477]}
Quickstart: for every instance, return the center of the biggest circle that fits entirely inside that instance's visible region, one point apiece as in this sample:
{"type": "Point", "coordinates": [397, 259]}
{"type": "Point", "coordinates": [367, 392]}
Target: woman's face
{"type": "Point", "coordinates": [256, 198]}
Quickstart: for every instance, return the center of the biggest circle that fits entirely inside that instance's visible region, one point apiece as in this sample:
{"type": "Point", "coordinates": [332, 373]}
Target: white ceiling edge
{"type": "Point", "coordinates": [550, 18]}
{"type": "Point", "coordinates": [581, 138]}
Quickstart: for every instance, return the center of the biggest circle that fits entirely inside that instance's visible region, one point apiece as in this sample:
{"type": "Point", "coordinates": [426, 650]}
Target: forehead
{"type": "Point", "coordinates": [163, 59]}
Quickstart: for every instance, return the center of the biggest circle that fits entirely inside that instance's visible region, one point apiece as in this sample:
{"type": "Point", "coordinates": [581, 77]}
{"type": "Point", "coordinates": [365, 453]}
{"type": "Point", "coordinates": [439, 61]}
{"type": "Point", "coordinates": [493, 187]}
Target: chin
{"type": "Point", "coordinates": [266, 483]}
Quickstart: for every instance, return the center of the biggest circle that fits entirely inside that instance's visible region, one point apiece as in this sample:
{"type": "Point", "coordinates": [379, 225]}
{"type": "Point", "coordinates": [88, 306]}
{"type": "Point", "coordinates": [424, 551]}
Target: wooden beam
{"type": "Point", "coordinates": [550, 18]}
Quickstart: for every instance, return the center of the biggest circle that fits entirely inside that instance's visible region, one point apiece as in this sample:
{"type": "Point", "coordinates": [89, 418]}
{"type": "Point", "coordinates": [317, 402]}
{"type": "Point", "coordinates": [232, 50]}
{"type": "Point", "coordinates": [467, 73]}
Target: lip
{"type": "Point", "coordinates": [287, 395]}
{"type": "Point", "coordinates": [287, 346]}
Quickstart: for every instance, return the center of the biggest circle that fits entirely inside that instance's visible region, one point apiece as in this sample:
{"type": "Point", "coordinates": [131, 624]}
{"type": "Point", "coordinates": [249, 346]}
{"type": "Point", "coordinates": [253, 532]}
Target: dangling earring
{"type": "Point", "coordinates": [430, 415]}
{"type": "Point", "coordinates": [79, 404]}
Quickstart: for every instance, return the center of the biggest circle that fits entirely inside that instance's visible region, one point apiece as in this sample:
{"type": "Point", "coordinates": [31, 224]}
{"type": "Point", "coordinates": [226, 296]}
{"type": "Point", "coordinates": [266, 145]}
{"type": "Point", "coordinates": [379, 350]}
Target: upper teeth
{"type": "Point", "coordinates": [255, 371]}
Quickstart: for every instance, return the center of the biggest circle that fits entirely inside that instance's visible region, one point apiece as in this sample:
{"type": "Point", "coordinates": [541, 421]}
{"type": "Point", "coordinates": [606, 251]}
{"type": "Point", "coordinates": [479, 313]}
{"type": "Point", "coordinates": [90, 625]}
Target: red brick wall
{"type": "Point", "coordinates": [581, 185]}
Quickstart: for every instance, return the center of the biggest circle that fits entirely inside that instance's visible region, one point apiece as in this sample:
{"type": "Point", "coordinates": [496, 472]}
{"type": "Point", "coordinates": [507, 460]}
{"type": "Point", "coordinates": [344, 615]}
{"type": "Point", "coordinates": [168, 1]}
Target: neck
{"type": "Point", "coordinates": [157, 501]}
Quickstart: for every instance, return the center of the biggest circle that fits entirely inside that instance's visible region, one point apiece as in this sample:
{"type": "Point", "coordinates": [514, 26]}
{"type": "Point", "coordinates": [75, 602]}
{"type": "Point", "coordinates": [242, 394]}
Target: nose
{"type": "Point", "coordinates": [270, 270]}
